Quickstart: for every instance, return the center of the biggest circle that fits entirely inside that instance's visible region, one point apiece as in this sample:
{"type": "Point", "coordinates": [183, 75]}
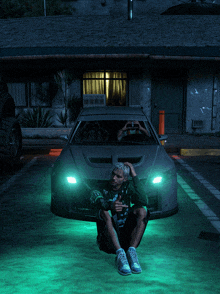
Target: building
{"type": "Point", "coordinates": [162, 62]}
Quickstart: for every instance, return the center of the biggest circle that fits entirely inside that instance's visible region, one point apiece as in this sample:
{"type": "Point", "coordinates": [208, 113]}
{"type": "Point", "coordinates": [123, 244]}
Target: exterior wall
{"type": "Point", "coordinates": [140, 91]}
{"type": "Point", "coordinates": [202, 97]}
{"type": "Point", "coordinates": [217, 98]}
{"type": "Point", "coordinates": [202, 101]}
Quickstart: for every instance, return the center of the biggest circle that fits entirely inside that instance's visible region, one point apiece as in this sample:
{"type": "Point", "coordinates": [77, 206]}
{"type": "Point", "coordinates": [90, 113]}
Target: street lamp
{"type": "Point", "coordinates": [45, 8]}
{"type": "Point", "coordinates": [130, 9]}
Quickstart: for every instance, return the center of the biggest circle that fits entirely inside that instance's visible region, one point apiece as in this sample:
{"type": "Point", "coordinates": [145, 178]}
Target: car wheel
{"type": "Point", "coordinates": [13, 137]}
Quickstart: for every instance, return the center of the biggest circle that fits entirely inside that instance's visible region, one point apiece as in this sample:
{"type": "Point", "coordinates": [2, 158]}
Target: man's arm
{"type": "Point", "coordinates": [138, 194]}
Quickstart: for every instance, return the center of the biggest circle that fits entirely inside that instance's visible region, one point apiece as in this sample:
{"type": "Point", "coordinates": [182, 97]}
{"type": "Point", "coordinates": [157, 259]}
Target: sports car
{"type": "Point", "coordinates": [101, 137]}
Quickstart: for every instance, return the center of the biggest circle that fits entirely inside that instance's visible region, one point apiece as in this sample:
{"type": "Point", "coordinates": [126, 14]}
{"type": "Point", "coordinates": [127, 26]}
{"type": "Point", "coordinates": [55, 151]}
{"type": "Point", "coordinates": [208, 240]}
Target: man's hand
{"type": "Point", "coordinates": [133, 173]}
{"type": "Point", "coordinates": [117, 206]}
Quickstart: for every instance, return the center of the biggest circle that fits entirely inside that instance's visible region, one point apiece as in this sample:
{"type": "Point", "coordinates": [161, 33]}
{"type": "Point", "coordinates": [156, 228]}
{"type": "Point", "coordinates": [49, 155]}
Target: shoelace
{"type": "Point", "coordinates": [122, 257]}
{"type": "Point", "coordinates": [133, 255]}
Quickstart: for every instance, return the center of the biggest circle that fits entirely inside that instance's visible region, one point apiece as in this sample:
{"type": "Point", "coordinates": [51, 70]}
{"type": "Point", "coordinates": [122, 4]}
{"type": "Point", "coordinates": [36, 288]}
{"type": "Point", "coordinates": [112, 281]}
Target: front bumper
{"type": "Point", "coordinates": [74, 201]}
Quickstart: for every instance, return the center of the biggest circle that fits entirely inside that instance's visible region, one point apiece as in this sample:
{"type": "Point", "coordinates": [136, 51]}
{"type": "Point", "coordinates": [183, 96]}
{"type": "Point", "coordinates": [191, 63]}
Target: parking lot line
{"type": "Point", "coordinates": [202, 180]}
{"type": "Point", "coordinates": [207, 212]}
{"type": "Point", "coordinates": [7, 184]}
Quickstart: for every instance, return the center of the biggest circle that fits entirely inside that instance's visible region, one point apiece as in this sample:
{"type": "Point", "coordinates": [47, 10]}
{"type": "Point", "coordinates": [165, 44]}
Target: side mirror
{"type": "Point", "coordinates": [163, 137]}
{"type": "Point", "coordinates": [64, 137]}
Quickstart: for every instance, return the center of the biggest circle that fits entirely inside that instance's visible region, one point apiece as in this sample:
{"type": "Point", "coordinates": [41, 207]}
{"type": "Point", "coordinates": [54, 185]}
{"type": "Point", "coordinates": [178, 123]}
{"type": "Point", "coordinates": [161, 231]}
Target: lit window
{"type": "Point", "coordinates": [112, 84]}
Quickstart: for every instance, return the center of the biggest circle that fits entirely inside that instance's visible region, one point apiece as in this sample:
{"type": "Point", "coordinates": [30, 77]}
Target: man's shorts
{"type": "Point", "coordinates": [124, 233]}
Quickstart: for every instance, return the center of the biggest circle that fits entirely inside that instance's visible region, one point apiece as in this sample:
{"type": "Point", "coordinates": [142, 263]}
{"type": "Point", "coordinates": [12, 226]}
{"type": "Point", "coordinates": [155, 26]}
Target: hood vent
{"type": "Point", "coordinates": [132, 160]}
{"type": "Point", "coordinates": [100, 160]}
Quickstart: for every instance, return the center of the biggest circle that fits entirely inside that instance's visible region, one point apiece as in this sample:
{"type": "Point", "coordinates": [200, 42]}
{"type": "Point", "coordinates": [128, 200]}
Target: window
{"type": "Point", "coordinates": [17, 91]}
{"type": "Point", "coordinates": [112, 84]}
{"type": "Point", "coordinates": [32, 94]}
{"type": "Point", "coordinates": [113, 132]}
{"type": "Point", "coordinates": [38, 94]}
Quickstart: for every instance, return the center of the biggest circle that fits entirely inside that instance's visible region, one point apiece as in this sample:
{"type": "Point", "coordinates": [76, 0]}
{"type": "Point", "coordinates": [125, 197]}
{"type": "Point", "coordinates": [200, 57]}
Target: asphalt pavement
{"type": "Point", "coordinates": [44, 253]}
{"type": "Point", "coordinates": [186, 144]}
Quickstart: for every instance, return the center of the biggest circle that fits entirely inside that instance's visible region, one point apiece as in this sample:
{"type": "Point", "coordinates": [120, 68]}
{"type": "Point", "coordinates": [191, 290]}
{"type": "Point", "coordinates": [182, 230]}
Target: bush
{"type": "Point", "coordinates": [62, 118]}
{"type": "Point", "coordinates": [36, 118]}
{"type": "Point", "coordinates": [74, 105]}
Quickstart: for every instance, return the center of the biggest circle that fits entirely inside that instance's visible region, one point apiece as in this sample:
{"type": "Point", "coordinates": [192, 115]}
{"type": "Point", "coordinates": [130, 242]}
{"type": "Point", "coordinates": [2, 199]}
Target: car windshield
{"type": "Point", "coordinates": [116, 132]}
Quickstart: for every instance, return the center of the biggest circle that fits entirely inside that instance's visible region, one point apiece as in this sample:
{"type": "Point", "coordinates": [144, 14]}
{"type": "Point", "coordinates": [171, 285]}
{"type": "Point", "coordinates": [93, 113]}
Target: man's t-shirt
{"type": "Point", "coordinates": [121, 216]}
{"type": "Point", "coordinates": [130, 192]}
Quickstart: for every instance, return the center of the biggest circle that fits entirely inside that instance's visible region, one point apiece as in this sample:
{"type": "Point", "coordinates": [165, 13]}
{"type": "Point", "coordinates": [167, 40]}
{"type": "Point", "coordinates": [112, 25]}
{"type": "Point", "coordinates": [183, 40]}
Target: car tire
{"type": "Point", "coordinates": [11, 138]}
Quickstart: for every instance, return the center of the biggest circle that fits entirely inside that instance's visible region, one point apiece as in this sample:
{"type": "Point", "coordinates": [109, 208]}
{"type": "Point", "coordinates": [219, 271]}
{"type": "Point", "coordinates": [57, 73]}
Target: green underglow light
{"type": "Point", "coordinates": [71, 180]}
{"type": "Point", "coordinates": [157, 180]}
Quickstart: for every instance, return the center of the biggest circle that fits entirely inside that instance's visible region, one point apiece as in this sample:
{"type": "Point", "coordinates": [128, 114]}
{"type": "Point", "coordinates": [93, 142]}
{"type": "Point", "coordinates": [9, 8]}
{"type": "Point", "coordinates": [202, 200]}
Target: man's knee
{"type": "Point", "coordinates": [140, 212]}
{"type": "Point", "coordinates": [105, 215]}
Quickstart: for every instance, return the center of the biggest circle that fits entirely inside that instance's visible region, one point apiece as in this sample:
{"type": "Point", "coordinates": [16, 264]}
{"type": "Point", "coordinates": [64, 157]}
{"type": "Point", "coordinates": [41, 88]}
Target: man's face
{"type": "Point", "coordinates": [117, 179]}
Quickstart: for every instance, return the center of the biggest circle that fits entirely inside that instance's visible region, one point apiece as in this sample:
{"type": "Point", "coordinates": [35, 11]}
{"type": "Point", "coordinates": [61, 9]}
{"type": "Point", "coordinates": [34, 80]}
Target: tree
{"type": "Point", "coordinates": [31, 8]}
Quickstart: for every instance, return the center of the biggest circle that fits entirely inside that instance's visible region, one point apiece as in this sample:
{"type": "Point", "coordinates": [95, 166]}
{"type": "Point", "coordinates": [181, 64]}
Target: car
{"type": "Point", "coordinates": [10, 129]}
{"type": "Point", "coordinates": [101, 137]}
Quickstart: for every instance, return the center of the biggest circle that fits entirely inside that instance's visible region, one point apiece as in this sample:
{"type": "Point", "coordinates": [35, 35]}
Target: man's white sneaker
{"type": "Point", "coordinates": [122, 263]}
{"type": "Point", "coordinates": [133, 261]}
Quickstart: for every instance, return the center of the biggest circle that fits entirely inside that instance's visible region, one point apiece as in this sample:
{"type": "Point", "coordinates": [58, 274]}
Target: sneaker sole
{"type": "Point", "coordinates": [124, 274]}
{"type": "Point", "coordinates": [133, 272]}
{"type": "Point", "coordinates": [121, 273]}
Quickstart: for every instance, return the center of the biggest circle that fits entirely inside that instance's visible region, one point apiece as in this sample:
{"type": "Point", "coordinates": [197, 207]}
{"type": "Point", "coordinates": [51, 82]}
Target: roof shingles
{"type": "Point", "coordinates": [101, 31]}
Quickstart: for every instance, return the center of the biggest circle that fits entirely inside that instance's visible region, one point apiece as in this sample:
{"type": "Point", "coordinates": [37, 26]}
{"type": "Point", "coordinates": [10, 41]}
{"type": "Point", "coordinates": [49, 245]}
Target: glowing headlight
{"type": "Point", "coordinates": [71, 180]}
{"type": "Point", "coordinates": [157, 180]}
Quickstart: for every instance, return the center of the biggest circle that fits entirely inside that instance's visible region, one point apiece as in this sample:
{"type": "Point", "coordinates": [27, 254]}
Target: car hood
{"type": "Point", "coordinates": [96, 162]}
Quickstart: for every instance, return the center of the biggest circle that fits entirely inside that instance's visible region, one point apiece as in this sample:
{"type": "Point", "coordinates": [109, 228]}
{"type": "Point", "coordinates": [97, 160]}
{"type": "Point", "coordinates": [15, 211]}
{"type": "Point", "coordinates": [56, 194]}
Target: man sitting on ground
{"type": "Point", "coordinates": [120, 226]}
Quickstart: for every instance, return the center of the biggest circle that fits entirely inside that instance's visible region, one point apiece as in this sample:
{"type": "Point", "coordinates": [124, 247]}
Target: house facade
{"type": "Point", "coordinates": [161, 62]}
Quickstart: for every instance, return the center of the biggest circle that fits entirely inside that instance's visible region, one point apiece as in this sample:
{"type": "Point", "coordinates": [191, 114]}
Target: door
{"type": "Point", "coordinates": [168, 95]}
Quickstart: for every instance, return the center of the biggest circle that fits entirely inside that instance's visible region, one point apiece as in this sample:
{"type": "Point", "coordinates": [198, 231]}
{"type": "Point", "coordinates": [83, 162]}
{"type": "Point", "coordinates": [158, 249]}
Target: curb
{"type": "Point", "coordinates": [200, 152]}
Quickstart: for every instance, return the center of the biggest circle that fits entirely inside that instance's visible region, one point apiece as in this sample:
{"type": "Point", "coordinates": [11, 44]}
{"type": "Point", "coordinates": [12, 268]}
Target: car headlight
{"type": "Point", "coordinates": [71, 180]}
{"type": "Point", "coordinates": [157, 180]}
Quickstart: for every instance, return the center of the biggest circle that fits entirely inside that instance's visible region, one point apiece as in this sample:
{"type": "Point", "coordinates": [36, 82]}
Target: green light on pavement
{"type": "Point", "coordinates": [71, 180]}
{"type": "Point", "coordinates": [157, 180]}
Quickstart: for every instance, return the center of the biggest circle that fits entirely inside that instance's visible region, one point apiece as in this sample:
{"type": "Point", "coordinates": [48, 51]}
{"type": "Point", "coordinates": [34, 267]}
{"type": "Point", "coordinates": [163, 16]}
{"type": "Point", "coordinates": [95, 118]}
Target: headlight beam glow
{"type": "Point", "coordinates": [157, 180]}
{"type": "Point", "coordinates": [71, 180]}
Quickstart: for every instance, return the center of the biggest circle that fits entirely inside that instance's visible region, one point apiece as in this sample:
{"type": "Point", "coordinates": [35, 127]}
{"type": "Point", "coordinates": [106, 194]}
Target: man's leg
{"type": "Point", "coordinates": [133, 231]}
{"type": "Point", "coordinates": [140, 227]}
{"type": "Point", "coordinates": [121, 259]}
{"type": "Point", "coordinates": [110, 229]}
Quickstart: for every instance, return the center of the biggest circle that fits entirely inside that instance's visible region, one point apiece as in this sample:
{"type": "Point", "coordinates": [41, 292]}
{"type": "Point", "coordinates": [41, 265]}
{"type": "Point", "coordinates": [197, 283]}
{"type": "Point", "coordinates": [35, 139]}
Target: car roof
{"type": "Point", "coordinates": [113, 113]}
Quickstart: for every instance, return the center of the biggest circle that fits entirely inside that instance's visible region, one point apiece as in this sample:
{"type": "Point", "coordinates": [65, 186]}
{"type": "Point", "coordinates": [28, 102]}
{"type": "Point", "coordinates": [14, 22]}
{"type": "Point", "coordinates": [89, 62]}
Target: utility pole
{"type": "Point", "coordinates": [130, 9]}
{"type": "Point", "coordinates": [45, 8]}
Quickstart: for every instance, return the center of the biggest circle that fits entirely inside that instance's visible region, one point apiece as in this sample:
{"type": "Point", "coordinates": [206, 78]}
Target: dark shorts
{"type": "Point", "coordinates": [124, 233]}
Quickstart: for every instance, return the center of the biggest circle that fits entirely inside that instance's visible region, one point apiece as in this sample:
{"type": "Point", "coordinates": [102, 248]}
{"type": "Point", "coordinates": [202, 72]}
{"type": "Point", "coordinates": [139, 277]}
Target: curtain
{"type": "Point", "coordinates": [96, 83]}
{"type": "Point", "coordinates": [113, 84]}
{"type": "Point", "coordinates": [115, 89]}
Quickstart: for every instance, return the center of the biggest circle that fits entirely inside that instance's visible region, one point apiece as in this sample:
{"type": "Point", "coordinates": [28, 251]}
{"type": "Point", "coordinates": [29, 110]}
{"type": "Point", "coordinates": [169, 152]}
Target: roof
{"type": "Point", "coordinates": [186, 35]}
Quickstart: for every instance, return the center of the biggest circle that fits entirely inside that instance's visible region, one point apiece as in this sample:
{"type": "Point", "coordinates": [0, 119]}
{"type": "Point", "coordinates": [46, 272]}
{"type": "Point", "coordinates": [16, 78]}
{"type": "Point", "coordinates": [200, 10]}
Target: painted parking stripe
{"type": "Point", "coordinates": [7, 184]}
{"type": "Point", "coordinates": [204, 208]}
{"type": "Point", "coordinates": [202, 180]}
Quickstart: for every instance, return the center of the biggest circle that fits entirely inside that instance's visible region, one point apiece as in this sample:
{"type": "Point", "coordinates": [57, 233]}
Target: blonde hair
{"type": "Point", "coordinates": [125, 168]}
